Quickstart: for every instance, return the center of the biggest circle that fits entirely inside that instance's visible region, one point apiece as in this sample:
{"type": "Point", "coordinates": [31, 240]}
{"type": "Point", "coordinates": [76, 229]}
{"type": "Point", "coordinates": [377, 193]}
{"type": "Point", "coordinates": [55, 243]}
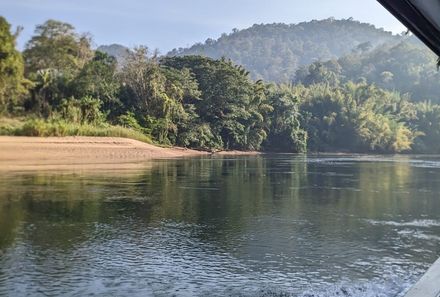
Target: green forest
{"type": "Point", "coordinates": [274, 52]}
{"type": "Point", "coordinates": [374, 92]}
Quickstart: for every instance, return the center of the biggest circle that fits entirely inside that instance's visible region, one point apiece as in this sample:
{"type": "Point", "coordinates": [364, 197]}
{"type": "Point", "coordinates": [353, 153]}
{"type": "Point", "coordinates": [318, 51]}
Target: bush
{"type": "Point", "coordinates": [57, 127]}
{"type": "Point", "coordinates": [8, 126]}
{"type": "Point", "coordinates": [129, 120]}
{"type": "Point", "coordinates": [87, 110]}
{"type": "Point", "coordinates": [33, 127]}
{"type": "Point", "coordinates": [201, 137]}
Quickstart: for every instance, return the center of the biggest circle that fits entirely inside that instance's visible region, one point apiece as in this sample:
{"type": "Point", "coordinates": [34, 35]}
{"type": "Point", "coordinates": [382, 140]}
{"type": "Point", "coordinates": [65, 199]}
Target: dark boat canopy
{"type": "Point", "coordinates": [421, 17]}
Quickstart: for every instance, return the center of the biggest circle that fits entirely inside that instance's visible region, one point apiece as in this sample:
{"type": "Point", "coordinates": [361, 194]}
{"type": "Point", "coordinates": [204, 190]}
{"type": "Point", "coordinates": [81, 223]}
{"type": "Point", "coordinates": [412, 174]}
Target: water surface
{"type": "Point", "coordinates": [281, 225]}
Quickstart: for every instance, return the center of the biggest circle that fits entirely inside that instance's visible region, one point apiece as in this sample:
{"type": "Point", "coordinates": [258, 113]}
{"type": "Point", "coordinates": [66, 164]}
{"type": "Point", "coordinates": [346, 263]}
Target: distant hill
{"type": "Point", "coordinates": [275, 51]}
{"type": "Point", "coordinates": [407, 67]}
{"type": "Point", "coordinates": [118, 51]}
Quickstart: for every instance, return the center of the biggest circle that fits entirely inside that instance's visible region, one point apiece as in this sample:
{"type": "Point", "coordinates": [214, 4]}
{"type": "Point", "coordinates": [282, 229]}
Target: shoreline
{"type": "Point", "coordinates": [22, 153]}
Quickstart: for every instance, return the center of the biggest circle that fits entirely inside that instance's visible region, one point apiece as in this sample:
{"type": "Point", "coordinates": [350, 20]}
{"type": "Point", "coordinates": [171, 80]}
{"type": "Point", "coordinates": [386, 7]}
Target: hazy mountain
{"type": "Point", "coordinates": [275, 51]}
{"type": "Point", "coordinates": [118, 51]}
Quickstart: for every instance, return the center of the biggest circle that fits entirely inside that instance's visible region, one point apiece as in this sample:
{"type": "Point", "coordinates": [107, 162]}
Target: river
{"type": "Point", "coordinates": [275, 225]}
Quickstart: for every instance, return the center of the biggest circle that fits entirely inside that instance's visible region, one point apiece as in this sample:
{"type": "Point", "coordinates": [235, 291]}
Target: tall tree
{"type": "Point", "coordinates": [12, 81]}
{"type": "Point", "coordinates": [228, 102]}
{"type": "Point", "coordinates": [285, 132]}
{"type": "Point", "coordinates": [56, 45]}
{"type": "Point", "coordinates": [157, 94]}
{"type": "Point", "coordinates": [98, 79]}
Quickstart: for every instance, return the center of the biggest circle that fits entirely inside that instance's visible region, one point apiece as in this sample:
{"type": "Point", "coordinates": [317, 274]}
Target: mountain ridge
{"type": "Point", "coordinates": [344, 49]}
{"type": "Point", "coordinates": [275, 51]}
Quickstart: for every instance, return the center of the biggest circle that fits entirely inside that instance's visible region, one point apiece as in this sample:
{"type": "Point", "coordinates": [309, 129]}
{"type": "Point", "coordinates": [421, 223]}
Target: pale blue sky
{"type": "Point", "coordinates": [166, 24]}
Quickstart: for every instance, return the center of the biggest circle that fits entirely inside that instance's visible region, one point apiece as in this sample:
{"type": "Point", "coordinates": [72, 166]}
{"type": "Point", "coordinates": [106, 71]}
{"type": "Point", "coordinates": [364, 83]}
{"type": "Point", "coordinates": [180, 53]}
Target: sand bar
{"type": "Point", "coordinates": [34, 153]}
{"type": "Point", "coordinates": [79, 152]}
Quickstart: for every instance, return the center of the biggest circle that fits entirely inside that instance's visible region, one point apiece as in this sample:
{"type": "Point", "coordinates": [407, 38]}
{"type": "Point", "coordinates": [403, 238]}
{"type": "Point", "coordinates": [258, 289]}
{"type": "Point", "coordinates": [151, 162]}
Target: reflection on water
{"type": "Point", "coordinates": [244, 226]}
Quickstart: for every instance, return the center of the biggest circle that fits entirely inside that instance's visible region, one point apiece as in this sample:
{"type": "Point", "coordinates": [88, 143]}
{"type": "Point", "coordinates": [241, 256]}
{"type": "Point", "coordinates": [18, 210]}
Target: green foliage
{"type": "Point", "coordinates": [56, 45]}
{"type": "Point", "coordinates": [382, 134]}
{"type": "Point", "coordinates": [128, 120]}
{"type": "Point", "coordinates": [274, 52]}
{"type": "Point", "coordinates": [158, 96]}
{"type": "Point", "coordinates": [12, 81]}
{"type": "Point", "coordinates": [144, 84]}
{"type": "Point", "coordinates": [207, 104]}
{"type": "Point", "coordinates": [98, 79]}
{"type": "Point", "coordinates": [318, 72]}
{"type": "Point", "coordinates": [200, 137]}
{"type": "Point", "coordinates": [328, 116]}
{"type": "Point", "coordinates": [427, 121]}
{"type": "Point", "coordinates": [285, 132]}
{"type": "Point", "coordinates": [229, 103]}
{"type": "Point", "coordinates": [407, 66]}
{"type": "Point", "coordinates": [53, 57]}
{"type": "Point", "coordinates": [8, 126]}
{"type": "Point", "coordinates": [61, 127]}
{"type": "Point", "coordinates": [357, 117]}
{"type": "Point", "coordinates": [49, 89]}
{"type": "Point", "coordinates": [39, 127]}
{"type": "Point", "coordinates": [87, 110]}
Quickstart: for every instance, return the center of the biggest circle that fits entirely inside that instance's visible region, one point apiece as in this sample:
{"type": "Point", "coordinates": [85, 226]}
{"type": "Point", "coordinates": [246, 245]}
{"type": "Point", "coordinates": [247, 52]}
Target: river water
{"type": "Point", "coordinates": [282, 225]}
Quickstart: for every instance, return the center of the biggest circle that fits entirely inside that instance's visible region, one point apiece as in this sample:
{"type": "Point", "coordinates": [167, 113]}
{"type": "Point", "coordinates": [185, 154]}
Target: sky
{"type": "Point", "coordinates": [168, 24]}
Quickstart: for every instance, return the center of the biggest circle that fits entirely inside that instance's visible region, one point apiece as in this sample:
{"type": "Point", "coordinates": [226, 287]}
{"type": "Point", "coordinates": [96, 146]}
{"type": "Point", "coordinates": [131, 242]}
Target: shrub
{"type": "Point", "coordinates": [59, 127]}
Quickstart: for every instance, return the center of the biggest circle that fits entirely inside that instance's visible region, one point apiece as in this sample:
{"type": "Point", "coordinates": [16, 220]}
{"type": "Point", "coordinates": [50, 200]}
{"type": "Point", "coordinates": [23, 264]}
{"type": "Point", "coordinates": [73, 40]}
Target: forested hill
{"type": "Point", "coordinates": [275, 51]}
{"type": "Point", "coordinates": [406, 67]}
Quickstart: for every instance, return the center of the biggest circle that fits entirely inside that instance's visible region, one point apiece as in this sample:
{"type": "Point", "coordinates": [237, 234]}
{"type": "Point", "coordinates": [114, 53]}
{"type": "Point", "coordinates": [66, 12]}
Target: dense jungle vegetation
{"type": "Point", "coordinates": [357, 99]}
{"type": "Point", "coordinates": [274, 52]}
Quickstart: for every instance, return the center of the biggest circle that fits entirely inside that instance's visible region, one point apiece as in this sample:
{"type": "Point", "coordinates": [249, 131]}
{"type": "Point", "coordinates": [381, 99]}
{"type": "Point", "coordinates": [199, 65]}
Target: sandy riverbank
{"type": "Point", "coordinates": [35, 153]}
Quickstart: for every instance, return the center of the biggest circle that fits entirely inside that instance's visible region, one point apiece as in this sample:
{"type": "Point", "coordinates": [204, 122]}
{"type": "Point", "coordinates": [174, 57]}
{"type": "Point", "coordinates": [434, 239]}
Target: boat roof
{"type": "Point", "coordinates": [421, 17]}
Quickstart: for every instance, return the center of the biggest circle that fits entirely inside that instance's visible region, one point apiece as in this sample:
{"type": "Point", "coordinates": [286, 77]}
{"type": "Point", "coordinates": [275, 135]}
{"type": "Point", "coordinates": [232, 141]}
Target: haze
{"type": "Point", "coordinates": [170, 24]}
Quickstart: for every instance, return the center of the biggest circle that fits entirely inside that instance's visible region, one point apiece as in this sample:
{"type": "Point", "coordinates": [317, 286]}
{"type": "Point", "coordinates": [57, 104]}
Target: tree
{"type": "Point", "coordinates": [144, 83]}
{"type": "Point", "coordinates": [228, 101]}
{"type": "Point", "coordinates": [157, 95]}
{"type": "Point", "coordinates": [329, 117]}
{"type": "Point", "coordinates": [327, 73]}
{"type": "Point", "coordinates": [346, 104]}
{"type": "Point", "coordinates": [98, 79]}
{"type": "Point", "coordinates": [427, 122]}
{"type": "Point", "coordinates": [56, 45]}
{"type": "Point", "coordinates": [87, 110]}
{"type": "Point", "coordinates": [357, 117]}
{"type": "Point", "coordinates": [12, 82]}
{"type": "Point", "coordinates": [284, 130]}
{"type": "Point", "coordinates": [50, 87]}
